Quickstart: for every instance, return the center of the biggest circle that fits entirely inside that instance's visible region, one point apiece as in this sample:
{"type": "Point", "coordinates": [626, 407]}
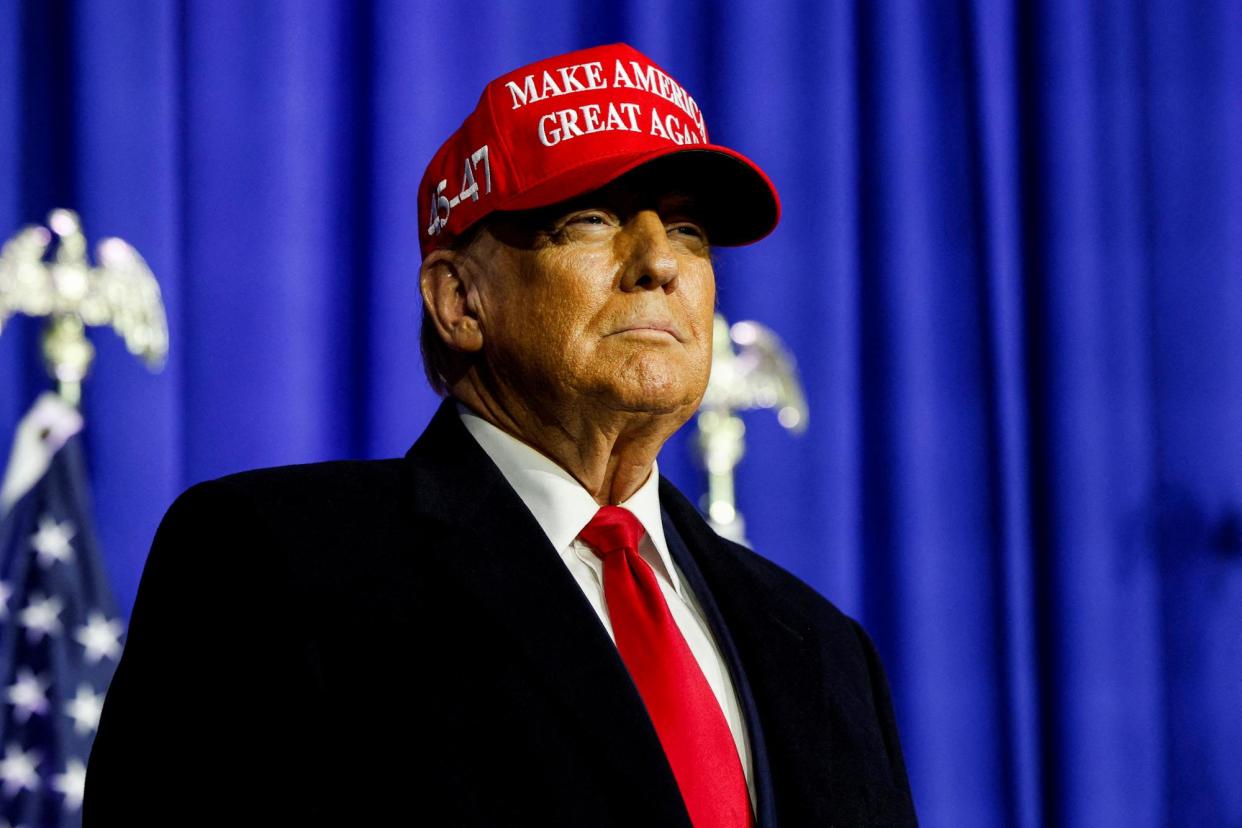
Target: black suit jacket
{"type": "Point", "coordinates": [396, 643]}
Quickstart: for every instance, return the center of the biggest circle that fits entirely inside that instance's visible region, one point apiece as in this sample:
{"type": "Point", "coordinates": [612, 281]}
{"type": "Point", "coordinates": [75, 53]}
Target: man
{"type": "Point", "coordinates": [519, 623]}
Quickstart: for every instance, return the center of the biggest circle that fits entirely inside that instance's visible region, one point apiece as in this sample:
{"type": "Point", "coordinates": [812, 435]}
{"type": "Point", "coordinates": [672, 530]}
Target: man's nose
{"type": "Point", "coordinates": [650, 260]}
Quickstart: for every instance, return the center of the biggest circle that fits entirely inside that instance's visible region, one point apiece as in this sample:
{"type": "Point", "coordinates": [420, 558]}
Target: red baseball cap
{"type": "Point", "coordinates": [570, 124]}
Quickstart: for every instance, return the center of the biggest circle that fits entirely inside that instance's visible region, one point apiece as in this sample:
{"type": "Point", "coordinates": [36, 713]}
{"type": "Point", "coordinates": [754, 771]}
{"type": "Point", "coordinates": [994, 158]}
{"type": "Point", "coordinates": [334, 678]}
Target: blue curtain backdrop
{"type": "Point", "coordinates": [1010, 268]}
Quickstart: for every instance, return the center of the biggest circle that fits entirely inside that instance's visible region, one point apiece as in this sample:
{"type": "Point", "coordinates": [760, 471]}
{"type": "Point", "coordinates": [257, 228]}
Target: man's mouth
{"type": "Point", "coordinates": [652, 327]}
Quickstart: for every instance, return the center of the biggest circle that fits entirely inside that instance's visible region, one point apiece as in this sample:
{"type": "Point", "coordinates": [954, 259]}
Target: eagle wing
{"type": "Point", "coordinates": [128, 294]}
{"type": "Point", "coordinates": [24, 279]}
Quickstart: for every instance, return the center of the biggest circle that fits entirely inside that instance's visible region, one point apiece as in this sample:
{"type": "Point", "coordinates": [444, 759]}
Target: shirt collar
{"type": "Point", "coordinates": [560, 504]}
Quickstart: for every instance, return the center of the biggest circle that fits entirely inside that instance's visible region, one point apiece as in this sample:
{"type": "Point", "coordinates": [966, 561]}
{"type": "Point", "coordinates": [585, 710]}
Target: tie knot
{"type": "Point", "coordinates": [613, 529]}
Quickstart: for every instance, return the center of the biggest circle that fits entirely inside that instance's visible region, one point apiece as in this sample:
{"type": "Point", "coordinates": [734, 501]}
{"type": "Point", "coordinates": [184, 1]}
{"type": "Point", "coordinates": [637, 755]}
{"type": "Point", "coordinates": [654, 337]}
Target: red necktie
{"type": "Point", "coordinates": [685, 712]}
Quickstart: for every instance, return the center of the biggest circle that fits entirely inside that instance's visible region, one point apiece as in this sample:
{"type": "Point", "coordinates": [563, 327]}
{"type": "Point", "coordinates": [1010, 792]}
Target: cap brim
{"type": "Point", "coordinates": [738, 201]}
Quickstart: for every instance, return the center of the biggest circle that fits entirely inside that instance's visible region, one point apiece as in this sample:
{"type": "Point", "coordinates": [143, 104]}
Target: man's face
{"type": "Point", "coordinates": [603, 301]}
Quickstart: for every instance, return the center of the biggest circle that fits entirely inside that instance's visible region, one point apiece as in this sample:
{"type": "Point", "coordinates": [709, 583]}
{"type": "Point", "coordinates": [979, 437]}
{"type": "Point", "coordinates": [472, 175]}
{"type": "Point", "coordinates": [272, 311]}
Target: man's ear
{"type": "Point", "coordinates": [446, 282]}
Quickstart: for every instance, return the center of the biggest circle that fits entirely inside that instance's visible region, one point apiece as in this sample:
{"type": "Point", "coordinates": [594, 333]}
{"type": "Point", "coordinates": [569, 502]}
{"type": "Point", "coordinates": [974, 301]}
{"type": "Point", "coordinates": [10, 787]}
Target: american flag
{"type": "Point", "coordinates": [60, 633]}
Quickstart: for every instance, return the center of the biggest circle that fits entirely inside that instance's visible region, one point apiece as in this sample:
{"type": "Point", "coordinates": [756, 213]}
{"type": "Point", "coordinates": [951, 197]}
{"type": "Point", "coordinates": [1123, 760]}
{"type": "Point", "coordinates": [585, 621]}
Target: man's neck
{"type": "Point", "coordinates": [609, 453]}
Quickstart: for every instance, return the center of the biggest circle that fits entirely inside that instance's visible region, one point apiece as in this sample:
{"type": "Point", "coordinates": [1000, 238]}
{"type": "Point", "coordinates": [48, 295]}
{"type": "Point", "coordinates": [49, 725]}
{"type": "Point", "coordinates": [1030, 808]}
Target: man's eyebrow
{"type": "Point", "coordinates": [589, 201]}
{"type": "Point", "coordinates": [544, 219]}
{"type": "Point", "coordinates": [677, 199]}
{"type": "Point", "coordinates": [684, 203]}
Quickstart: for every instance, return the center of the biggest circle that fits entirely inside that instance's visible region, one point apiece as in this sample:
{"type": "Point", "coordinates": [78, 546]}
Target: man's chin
{"type": "Point", "coordinates": [653, 400]}
{"type": "Point", "coordinates": [657, 382]}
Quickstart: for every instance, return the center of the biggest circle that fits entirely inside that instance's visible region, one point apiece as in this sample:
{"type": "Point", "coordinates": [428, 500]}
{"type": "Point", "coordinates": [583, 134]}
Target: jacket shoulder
{"type": "Point", "coordinates": [305, 513]}
{"type": "Point", "coordinates": [797, 592]}
{"type": "Point", "coordinates": [330, 479]}
{"type": "Point", "coordinates": [311, 492]}
{"type": "Point", "coordinates": [802, 654]}
{"type": "Point", "coordinates": [797, 598]}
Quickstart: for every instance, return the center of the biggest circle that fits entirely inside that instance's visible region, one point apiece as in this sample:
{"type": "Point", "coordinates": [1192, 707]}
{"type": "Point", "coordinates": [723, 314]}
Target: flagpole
{"type": "Point", "coordinates": [68, 355]}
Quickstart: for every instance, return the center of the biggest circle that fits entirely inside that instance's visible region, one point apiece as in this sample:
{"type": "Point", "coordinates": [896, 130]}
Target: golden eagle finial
{"type": "Point", "coordinates": [120, 291]}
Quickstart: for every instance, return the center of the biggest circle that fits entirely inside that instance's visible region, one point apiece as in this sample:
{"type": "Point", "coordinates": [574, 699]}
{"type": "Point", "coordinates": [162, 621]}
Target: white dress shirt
{"type": "Point", "coordinates": [563, 508]}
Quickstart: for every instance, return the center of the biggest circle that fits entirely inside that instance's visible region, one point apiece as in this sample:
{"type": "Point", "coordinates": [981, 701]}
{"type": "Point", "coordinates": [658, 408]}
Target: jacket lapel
{"type": "Point", "coordinates": [799, 710]}
{"type": "Point", "coordinates": [765, 815]}
{"type": "Point", "coordinates": [495, 550]}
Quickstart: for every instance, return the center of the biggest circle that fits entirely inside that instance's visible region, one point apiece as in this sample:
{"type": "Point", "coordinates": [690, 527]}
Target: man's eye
{"type": "Point", "coordinates": [588, 218]}
{"type": "Point", "coordinates": [692, 230]}
{"type": "Point", "coordinates": [582, 225]}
